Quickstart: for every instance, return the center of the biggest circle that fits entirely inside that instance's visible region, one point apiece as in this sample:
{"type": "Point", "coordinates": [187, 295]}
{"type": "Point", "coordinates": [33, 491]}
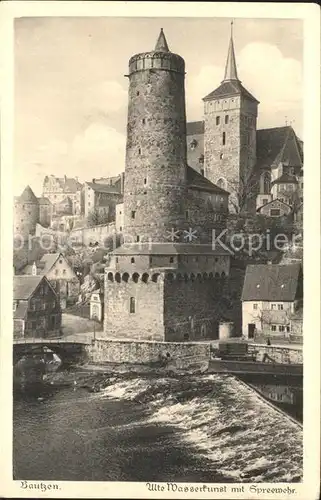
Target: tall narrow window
{"type": "Point", "coordinates": [217, 120]}
{"type": "Point", "coordinates": [224, 138]}
{"type": "Point", "coordinates": [226, 119]}
{"type": "Point", "coordinates": [133, 214]}
{"type": "Point", "coordinates": [132, 305]}
{"type": "Point", "coordinates": [132, 260]}
{"type": "Point", "coordinates": [137, 238]}
{"type": "Point", "coordinates": [145, 181]}
{"type": "Point", "coordinates": [139, 151]}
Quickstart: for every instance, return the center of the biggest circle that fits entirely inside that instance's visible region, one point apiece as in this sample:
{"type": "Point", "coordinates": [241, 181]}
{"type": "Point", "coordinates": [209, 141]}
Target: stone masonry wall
{"type": "Point", "coordinates": [234, 160]}
{"type": "Point", "coordinates": [155, 171]}
{"type": "Point", "coordinates": [147, 320]}
{"type": "Point", "coordinates": [114, 351]}
{"type": "Point", "coordinates": [190, 308]}
{"type": "Point", "coordinates": [278, 354]}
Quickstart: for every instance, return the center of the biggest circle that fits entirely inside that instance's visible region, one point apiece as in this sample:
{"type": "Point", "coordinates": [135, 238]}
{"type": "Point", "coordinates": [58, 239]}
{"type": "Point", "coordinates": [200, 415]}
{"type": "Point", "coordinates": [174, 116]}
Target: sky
{"type": "Point", "coordinates": [71, 92]}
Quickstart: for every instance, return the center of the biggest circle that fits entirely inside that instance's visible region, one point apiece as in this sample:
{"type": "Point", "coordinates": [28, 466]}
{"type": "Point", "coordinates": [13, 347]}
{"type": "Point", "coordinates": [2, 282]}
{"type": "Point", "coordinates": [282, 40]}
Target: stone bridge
{"type": "Point", "coordinates": [72, 349]}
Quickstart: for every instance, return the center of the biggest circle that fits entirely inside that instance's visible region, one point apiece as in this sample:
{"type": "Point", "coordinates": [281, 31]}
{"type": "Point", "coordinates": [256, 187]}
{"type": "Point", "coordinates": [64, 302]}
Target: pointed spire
{"type": "Point", "coordinates": [161, 44]}
{"type": "Point", "coordinates": [230, 68]}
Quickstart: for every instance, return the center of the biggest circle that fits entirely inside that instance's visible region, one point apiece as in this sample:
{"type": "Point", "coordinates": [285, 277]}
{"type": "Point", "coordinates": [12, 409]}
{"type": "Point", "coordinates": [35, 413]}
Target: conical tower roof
{"type": "Point", "coordinates": [231, 85]}
{"type": "Point", "coordinates": [28, 196]}
{"type": "Point", "coordinates": [161, 44]}
{"type": "Point", "coordinates": [230, 67]}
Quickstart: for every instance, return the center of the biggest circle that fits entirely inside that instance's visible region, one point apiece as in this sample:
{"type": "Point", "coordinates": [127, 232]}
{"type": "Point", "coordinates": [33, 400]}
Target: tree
{"type": "Point", "coordinates": [97, 217]}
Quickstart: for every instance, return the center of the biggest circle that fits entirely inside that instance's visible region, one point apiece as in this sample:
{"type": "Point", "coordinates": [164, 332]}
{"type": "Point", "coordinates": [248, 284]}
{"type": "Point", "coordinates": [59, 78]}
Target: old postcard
{"type": "Point", "coordinates": [160, 200]}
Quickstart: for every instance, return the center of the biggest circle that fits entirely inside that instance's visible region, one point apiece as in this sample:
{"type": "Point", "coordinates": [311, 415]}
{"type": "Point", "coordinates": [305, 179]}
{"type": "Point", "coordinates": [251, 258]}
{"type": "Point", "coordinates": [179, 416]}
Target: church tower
{"type": "Point", "coordinates": [230, 114]}
{"type": "Point", "coordinates": [155, 172]}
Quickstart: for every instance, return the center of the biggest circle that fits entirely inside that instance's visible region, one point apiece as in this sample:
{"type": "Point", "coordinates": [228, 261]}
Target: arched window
{"type": "Point", "coordinates": [132, 260]}
{"type": "Point", "coordinates": [265, 183]}
{"type": "Point", "coordinates": [221, 183]}
{"type": "Point", "coordinates": [132, 305]}
{"type": "Point", "coordinates": [217, 120]}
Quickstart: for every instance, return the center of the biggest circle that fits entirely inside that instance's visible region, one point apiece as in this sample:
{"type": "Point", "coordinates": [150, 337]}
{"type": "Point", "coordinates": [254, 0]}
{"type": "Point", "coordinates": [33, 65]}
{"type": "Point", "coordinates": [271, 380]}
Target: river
{"type": "Point", "coordinates": [207, 428]}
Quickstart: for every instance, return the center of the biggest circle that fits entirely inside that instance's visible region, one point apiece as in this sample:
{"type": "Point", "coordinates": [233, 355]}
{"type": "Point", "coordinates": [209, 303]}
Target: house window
{"type": "Point", "coordinates": [255, 307]}
{"type": "Point", "coordinates": [218, 120]}
{"type": "Point", "coordinates": [226, 119]}
{"type": "Point", "coordinates": [133, 214]}
{"type": "Point", "coordinates": [60, 261]}
{"type": "Point", "coordinates": [117, 260]}
{"type": "Point", "coordinates": [132, 260]}
{"type": "Point", "coordinates": [132, 305]}
{"type": "Point", "coordinates": [171, 260]}
{"type": "Point", "coordinates": [273, 328]}
{"type": "Point", "coordinates": [56, 272]}
{"type": "Point", "coordinates": [273, 307]}
{"type": "Point", "coordinates": [280, 307]}
{"type": "Point", "coordinates": [186, 214]}
{"type": "Point", "coordinates": [54, 304]}
{"type": "Point", "coordinates": [120, 228]}
{"type": "Point", "coordinates": [64, 272]}
{"type": "Point", "coordinates": [265, 201]}
{"type": "Point", "coordinates": [139, 151]}
{"type": "Point", "coordinates": [274, 212]}
{"type": "Point", "coordinates": [288, 329]}
{"type": "Point", "coordinates": [32, 306]}
{"type": "Point", "coordinates": [223, 138]}
{"type": "Point", "coordinates": [281, 328]}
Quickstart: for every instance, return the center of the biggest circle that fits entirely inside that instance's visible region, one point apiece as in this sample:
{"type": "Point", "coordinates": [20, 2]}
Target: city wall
{"type": "Point", "coordinates": [122, 351]}
{"type": "Point", "coordinates": [291, 354]}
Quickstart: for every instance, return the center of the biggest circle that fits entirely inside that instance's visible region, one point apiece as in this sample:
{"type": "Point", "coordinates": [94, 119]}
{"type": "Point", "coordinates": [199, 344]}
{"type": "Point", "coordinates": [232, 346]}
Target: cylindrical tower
{"type": "Point", "coordinates": [155, 173]}
{"type": "Point", "coordinates": [26, 214]}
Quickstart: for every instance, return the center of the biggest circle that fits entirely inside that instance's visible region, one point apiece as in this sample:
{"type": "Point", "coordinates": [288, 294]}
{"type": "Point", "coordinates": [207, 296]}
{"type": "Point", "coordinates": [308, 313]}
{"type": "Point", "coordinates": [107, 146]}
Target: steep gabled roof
{"type": "Point", "coordinates": [271, 282]}
{"type": "Point", "coordinates": [71, 185]}
{"type": "Point", "coordinates": [198, 181]}
{"type": "Point", "coordinates": [195, 128]}
{"type": "Point", "coordinates": [103, 188]}
{"type": "Point", "coordinates": [28, 196]}
{"type": "Point", "coordinates": [21, 310]}
{"type": "Point", "coordinates": [48, 260]}
{"type": "Point", "coordinates": [24, 286]}
{"type": "Point", "coordinates": [278, 145]}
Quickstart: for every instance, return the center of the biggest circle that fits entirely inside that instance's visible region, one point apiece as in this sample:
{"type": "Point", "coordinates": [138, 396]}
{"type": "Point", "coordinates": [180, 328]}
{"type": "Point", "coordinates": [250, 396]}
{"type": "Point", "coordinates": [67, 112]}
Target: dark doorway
{"type": "Point", "coordinates": [251, 330]}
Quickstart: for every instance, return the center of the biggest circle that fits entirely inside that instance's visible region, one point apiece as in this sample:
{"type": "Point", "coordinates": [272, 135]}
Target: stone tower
{"type": "Point", "coordinates": [26, 213]}
{"type": "Point", "coordinates": [155, 172]}
{"type": "Point", "coordinates": [230, 114]}
{"type": "Point", "coordinates": [162, 283]}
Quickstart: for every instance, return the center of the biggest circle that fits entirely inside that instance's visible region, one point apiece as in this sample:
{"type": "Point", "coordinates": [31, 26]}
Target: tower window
{"type": "Point", "coordinates": [224, 138]}
{"type": "Point", "coordinates": [143, 121]}
{"type": "Point", "coordinates": [137, 238]}
{"type": "Point", "coordinates": [132, 305]}
{"type": "Point", "coordinates": [145, 181]}
{"type": "Point", "coordinates": [133, 215]}
{"type": "Point", "coordinates": [221, 156]}
{"type": "Point", "coordinates": [226, 119]}
{"type": "Point", "coordinates": [132, 260]}
{"type": "Point", "coordinates": [137, 93]}
{"type": "Point", "coordinates": [139, 151]}
{"type": "Point", "coordinates": [218, 120]}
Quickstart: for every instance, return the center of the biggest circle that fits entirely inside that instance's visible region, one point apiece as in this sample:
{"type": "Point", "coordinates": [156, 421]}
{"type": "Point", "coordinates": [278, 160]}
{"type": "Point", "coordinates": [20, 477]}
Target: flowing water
{"type": "Point", "coordinates": [207, 428]}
